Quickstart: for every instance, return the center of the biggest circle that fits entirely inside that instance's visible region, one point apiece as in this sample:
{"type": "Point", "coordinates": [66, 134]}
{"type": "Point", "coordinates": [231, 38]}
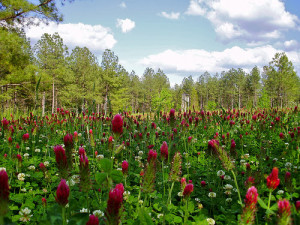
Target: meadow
{"type": "Point", "coordinates": [196, 167]}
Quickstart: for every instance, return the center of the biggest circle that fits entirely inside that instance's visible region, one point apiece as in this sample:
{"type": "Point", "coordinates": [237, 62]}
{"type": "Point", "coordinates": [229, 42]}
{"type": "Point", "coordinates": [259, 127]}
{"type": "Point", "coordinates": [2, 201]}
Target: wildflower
{"type": "Point", "coordinates": [203, 183]}
{"type": "Point", "coordinates": [25, 137]}
{"type": "Point", "coordinates": [93, 220]}
{"type": "Point", "coordinates": [220, 173]}
{"type": "Point", "coordinates": [114, 204]}
{"type": "Point", "coordinates": [164, 151]}
{"type": "Point", "coordinates": [4, 192]}
{"type": "Point", "coordinates": [176, 167]}
{"type": "Point", "coordinates": [98, 213]}
{"type": "Point", "coordinates": [62, 193]}
{"type": "Point", "coordinates": [25, 213]}
{"type": "Point", "coordinates": [228, 200]}
{"type": "Point", "coordinates": [83, 210]}
{"type": "Point", "coordinates": [210, 221]}
{"type": "Point", "coordinates": [280, 192]}
{"type": "Point", "coordinates": [125, 167]}
{"type": "Point", "coordinates": [44, 201]}
{"type": "Point", "coordinates": [284, 211]}
{"type": "Point", "coordinates": [21, 176]}
{"type": "Point", "coordinates": [212, 194]}
{"type": "Point", "coordinates": [117, 124]}
{"type": "Point", "coordinates": [32, 167]}
{"type": "Point", "coordinates": [188, 190]}
{"type": "Point", "coordinates": [273, 180]}
{"type": "Point", "coordinates": [61, 160]}
{"type": "Point", "coordinates": [152, 155]}
{"type": "Point", "coordinates": [46, 163]}
{"type": "Point", "coordinates": [84, 173]}
{"type": "Point", "coordinates": [250, 206]}
{"type": "Point", "coordinates": [19, 157]}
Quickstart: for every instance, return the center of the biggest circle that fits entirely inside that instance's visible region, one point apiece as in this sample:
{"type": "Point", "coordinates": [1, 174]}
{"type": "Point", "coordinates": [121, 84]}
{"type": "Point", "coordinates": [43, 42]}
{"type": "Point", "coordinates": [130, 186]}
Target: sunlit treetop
{"type": "Point", "coordinates": [28, 12]}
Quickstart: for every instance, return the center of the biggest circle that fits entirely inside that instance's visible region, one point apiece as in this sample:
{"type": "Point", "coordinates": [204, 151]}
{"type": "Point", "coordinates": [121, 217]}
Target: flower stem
{"type": "Point", "coordinates": [269, 201]}
{"type": "Point", "coordinates": [1, 219]}
{"type": "Point", "coordinates": [170, 193]}
{"type": "Point", "coordinates": [186, 213]}
{"type": "Point", "coordinates": [163, 176]}
{"type": "Point", "coordinates": [63, 215]}
{"type": "Point", "coordinates": [237, 187]}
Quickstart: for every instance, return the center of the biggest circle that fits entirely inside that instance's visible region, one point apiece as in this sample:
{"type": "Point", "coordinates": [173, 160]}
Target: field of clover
{"type": "Point", "coordinates": [196, 167]}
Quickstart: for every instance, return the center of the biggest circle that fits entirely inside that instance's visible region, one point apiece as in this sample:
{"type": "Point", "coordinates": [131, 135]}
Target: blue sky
{"type": "Point", "coordinates": [182, 37]}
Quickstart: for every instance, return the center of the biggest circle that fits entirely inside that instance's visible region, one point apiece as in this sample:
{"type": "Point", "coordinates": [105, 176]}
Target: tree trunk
{"type": "Point", "coordinates": [105, 100]}
{"type": "Point", "coordinates": [43, 104]}
{"type": "Point", "coordinates": [53, 96]}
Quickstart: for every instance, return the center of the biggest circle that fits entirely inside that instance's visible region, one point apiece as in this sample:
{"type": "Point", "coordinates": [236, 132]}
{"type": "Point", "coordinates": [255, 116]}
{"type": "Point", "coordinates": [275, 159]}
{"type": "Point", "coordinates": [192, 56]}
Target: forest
{"type": "Point", "coordinates": [51, 75]}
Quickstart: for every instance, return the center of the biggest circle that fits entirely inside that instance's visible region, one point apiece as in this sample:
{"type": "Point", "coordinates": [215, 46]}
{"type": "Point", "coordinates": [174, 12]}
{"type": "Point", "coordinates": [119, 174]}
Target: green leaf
{"type": "Point", "coordinates": [262, 203]}
{"type": "Point", "coordinates": [116, 176]}
{"type": "Point", "coordinates": [100, 178]}
{"type": "Point", "coordinates": [106, 165]}
{"type": "Point", "coordinates": [79, 219]}
{"type": "Point", "coordinates": [144, 217]}
{"type": "Point", "coordinates": [177, 219]}
{"type": "Point", "coordinates": [274, 207]}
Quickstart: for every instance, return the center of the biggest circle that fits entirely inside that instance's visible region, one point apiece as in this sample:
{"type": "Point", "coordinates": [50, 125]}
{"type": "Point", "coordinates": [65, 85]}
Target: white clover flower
{"type": "Point", "coordinates": [228, 192]}
{"type": "Point", "coordinates": [288, 165]}
{"type": "Point", "coordinates": [212, 194]}
{"type": "Point", "coordinates": [160, 215]}
{"type": "Point", "coordinates": [228, 200]}
{"type": "Point", "coordinates": [71, 182]}
{"type": "Point", "coordinates": [227, 177]}
{"type": "Point", "coordinates": [220, 173]}
{"type": "Point", "coordinates": [141, 202]}
{"type": "Point", "coordinates": [33, 142]}
{"type": "Point", "coordinates": [140, 153]}
{"type": "Point", "coordinates": [228, 187]}
{"type": "Point", "coordinates": [210, 221]}
{"type": "Point", "coordinates": [280, 192]}
{"type": "Point", "coordinates": [246, 155]}
{"type": "Point", "coordinates": [27, 148]}
{"type": "Point", "coordinates": [32, 167]}
{"type": "Point", "coordinates": [100, 156]}
{"type": "Point", "coordinates": [83, 210]}
{"type": "Point", "coordinates": [40, 141]}
{"type": "Point", "coordinates": [76, 179]}
{"type": "Point", "coordinates": [98, 213]}
{"type": "Point", "coordinates": [26, 155]}
{"type": "Point", "coordinates": [275, 159]}
{"type": "Point", "coordinates": [126, 195]}
{"type": "Point", "coordinates": [158, 129]}
{"type": "Point", "coordinates": [242, 161]}
{"type": "Point", "coordinates": [67, 205]}
{"type": "Point", "coordinates": [25, 213]}
{"type": "Point", "coordinates": [79, 134]}
{"type": "Point", "coordinates": [21, 176]}
{"type": "Point", "coordinates": [180, 194]}
{"type": "Point", "coordinates": [23, 189]}
{"type": "Point", "coordinates": [37, 150]}
{"type": "Point", "coordinates": [46, 163]}
{"type": "Point", "coordinates": [197, 199]}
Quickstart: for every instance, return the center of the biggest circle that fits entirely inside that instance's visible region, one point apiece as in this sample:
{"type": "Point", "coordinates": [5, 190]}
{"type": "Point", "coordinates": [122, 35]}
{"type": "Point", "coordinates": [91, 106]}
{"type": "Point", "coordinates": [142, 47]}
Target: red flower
{"type": "Point", "coordinates": [172, 113]}
{"type": "Point", "coordinates": [60, 155]}
{"type": "Point", "coordinates": [5, 123]}
{"type": "Point", "coordinates": [93, 220]}
{"type": "Point", "coordinates": [44, 201]}
{"type": "Point", "coordinates": [190, 138]}
{"type": "Point", "coordinates": [25, 137]}
{"type": "Point", "coordinates": [297, 205]}
{"type": "Point", "coordinates": [81, 151]}
{"type": "Point", "coordinates": [164, 150]}
{"type": "Point", "coordinates": [284, 208]}
{"type": "Point", "coordinates": [4, 187]}
{"type": "Point", "coordinates": [152, 155]}
{"type": "Point", "coordinates": [68, 141]}
{"type": "Point", "coordinates": [19, 157]}
{"type": "Point", "coordinates": [62, 193]}
{"type": "Point", "coordinates": [114, 204]}
{"type": "Point", "coordinates": [125, 167]}
{"type": "Point", "coordinates": [42, 166]}
{"type": "Point", "coordinates": [251, 198]}
{"type": "Point", "coordinates": [273, 180]}
{"type": "Point", "coordinates": [117, 124]}
{"type": "Point", "coordinates": [203, 183]}
{"type": "Point", "coordinates": [188, 190]}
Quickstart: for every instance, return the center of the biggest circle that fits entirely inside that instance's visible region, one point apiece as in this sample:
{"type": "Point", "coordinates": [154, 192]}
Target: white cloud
{"type": "Point", "coordinates": [97, 38]}
{"type": "Point", "coordinates": [251, 20]}
{"type": "Point", "coordinates": [123, 5]}
{"type": "Point", "coordinates": [195, 8]}
{"type": "Point", "coordinates": [291, 45]}
{"type": "Point", "coordinates": [198, 60]}
{"type": "Point", "coordinates": [171, 16]}
{"type": "Point", "coordinates": [126, 25]}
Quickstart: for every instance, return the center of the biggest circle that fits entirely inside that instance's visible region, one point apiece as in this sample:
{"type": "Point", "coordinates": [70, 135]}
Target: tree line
{"type": "Point", "coordinates": [48, 76]}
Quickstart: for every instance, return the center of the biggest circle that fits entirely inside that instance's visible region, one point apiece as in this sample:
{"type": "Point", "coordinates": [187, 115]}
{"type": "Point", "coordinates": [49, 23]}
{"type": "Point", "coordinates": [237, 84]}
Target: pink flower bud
{"type": "Point", "coordinates": [93, 220]}
{"type": "Point", "coordinates": [188, 190]}
{"type": "Point", "coordinates": [164, 150]}
{"type": "Point", "coordinates": [125, 167]}
{"type": "Point", "coordinates": [62, 193]}
{"type": "Point", "coordinates": [117, 124]}
{"type": "Point", "coordinates": [273, 180]}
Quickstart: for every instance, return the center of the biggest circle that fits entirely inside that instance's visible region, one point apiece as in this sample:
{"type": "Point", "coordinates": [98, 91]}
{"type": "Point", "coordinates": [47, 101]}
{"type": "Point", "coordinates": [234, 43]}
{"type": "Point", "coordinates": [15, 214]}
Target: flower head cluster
{"type": "Point", "coordinates": [284, 211]}
{"type": "Point", "coordinates": [61, 161]}
{"type": "Point", "coordinates": [62, 193]}
{"type": "Point", "coordinates": [4, 192]}
{"type": "Point", "coordinates": [249, 210]}
{"type": "Point", "coordinates": [189, 188]}
{"type": "Point", "coordinates": [164, 151]}
{"type": "Point", "coordinates": [25, 215]}
{"type": "Point", "coordinates": [114, 204]}
{"type": "Point", "coordinates": [117, 124]}
{"type": "Point", "coordinates": [273, 180]}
